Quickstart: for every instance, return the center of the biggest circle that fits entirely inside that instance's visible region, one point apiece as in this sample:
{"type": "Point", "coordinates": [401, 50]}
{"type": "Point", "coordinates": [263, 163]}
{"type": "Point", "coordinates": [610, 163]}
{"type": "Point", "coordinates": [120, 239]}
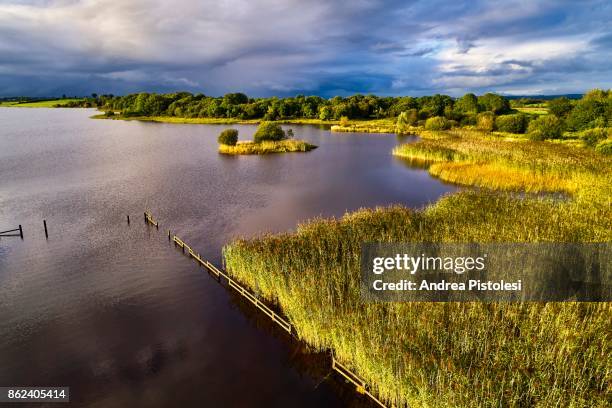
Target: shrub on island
{"type": "Point", "coordinates": [228, 137]}
{"type": "Point", "coordinates": [269, 131]}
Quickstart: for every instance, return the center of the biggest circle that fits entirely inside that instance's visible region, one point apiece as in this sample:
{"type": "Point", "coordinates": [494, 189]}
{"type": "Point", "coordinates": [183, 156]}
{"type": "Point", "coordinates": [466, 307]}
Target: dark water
{"type": "Point", "coordinates": [114, 311]}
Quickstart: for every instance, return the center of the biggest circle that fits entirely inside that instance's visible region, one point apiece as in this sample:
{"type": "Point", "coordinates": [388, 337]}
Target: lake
{"type": "Point", "coordinates": [117, 313]}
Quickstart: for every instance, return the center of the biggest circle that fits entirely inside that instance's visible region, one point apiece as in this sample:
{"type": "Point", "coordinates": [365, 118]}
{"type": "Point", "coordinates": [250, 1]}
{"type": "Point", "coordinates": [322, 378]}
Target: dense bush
{"type": "Point", "coordinates": [593, 136]}
{"type": "Point", "coordinates": [269, 131]}
{"type": "Point", "coordinates": [437, 123]}
{"type": "Point", "coordinates": [228, 137]}
{"type": "Point", "coordinates": [604, 147]}
{"type": "Point", "coordinates": [468, 120]}
{"type": "Point", "coordinates": [511, 123]}
{"type": "Point", "coordinates": [588, 113]}
{"type": "Point", "coordinates": [486, 121]}
{"type": "Point", "coordinates": [546, 127]}
{"type": "Point", "coordinates": [560, 107]}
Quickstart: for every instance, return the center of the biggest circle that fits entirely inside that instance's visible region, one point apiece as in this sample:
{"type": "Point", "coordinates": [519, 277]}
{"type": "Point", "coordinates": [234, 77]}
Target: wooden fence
{"type": "Point", "coordinates": [347, 374]}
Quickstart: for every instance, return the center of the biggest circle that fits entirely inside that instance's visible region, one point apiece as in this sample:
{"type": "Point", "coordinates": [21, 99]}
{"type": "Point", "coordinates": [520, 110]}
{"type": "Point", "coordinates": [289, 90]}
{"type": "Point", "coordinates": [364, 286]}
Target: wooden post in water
{"type": "Point", "coordinates": [46, 232]}
{"type": "Point", "coordinates": [169, 235]}
{"type": "Point", "coordinates": [128, 219]}
{"type": "Point", "coordinates": [145, 217]}
{"type": "Point", "coordinates": [20, 231]}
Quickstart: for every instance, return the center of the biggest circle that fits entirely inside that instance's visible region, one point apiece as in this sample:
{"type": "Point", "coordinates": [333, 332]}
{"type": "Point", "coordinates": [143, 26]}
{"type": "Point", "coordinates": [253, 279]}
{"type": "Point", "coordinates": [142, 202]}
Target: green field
{"type": "Point", "coordinates": [39, 104]}
{"type": "Point", "coordinates": [534, 110]}
{"type": "Point", "coordinates": [454, 354]}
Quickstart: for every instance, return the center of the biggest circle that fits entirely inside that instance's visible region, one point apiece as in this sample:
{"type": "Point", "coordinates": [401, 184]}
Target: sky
{"type": "Point", "coordinates": [312, 47]}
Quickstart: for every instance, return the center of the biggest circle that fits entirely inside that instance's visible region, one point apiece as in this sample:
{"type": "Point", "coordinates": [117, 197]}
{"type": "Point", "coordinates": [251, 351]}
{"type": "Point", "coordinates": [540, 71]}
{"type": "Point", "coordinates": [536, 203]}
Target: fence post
{"type": "Point", "coordinates": [128, 219]}
{"type": "Point", "coordinates": [46, 232]}
{"type": "Point", "coordinates": [20, 231]}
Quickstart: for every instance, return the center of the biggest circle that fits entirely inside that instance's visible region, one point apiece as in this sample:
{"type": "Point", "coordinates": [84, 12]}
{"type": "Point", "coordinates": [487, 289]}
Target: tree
{"type": "Point", "coordinates": [269, 131]}
{"type": "Point", "coordinates": [235, 99]}
{"type": "Point", "coordinates": [405, 120]}
{"type": "Point", "coordinates": [468, 103]}
{"type": "Point", "coordinates": [588, 113]}
{"type": "Point", "coordinates": [494, 103]}
{"type": "Point", "coordinates": [545, 127]}
{"type": "Point", "coordinates": [228, 137]}
{"type": "Point", "coordinates": [325, 113]}
{"type": "Point", "coordinates": [560, 107]}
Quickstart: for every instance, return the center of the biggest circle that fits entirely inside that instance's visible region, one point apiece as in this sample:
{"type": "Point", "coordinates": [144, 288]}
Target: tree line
{"type": "Point", "coordinates": [489, 111]}
{"type": "Point", "coordinates": [240, 106]}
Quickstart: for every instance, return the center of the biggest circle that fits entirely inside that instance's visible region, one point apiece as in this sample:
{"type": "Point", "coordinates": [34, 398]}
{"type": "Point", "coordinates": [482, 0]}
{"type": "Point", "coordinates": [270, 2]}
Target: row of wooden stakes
{"type": "Point", "coordinates": [349, 376]}
{"type": "Point", "coordinates": [18, 232]}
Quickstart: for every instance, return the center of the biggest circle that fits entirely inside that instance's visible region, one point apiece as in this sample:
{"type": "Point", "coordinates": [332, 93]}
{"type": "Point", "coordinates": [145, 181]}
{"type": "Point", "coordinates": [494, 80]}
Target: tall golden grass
{"type": "Point", "coordinates": [283, 146]}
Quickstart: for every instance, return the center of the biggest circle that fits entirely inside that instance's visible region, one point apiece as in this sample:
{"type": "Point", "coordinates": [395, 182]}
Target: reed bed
{"type": "Point", "coordinates": [267, 147]}
{"type": "Point", "coordinates": [367, 126]}
{"type": "Point", "coordinates": [501, 178]}
{"type": "Point", "coordinates": [452, 354]}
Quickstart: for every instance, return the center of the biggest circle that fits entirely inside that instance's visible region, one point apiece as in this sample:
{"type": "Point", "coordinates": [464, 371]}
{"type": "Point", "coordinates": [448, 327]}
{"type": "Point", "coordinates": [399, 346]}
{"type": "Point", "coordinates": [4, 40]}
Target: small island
{"type": "Point", "coordinates": [269, 138]}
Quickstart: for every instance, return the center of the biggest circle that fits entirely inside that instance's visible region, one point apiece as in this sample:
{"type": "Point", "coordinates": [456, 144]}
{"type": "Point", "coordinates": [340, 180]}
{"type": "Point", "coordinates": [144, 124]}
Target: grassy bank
{"type": "Point", "coordinates": [55, 103]}
{"type": "Point", "coordinates": [364, 126]}
{"type": "Point", "coordinates": [283, 146]}
{"type": "Point", "coordinates": [214, 121]}
{"type": "Point", "coordinates": [454, 354]}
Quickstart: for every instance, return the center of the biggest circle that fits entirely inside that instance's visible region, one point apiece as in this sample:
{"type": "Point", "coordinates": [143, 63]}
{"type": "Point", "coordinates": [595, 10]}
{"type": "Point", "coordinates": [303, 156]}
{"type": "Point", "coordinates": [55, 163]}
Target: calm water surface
{"type": "Point", "coordinates": [114, 311]}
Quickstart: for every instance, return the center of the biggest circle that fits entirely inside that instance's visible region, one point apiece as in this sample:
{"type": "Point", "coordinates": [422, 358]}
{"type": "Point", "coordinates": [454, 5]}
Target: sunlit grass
{"type": "Point", "coordinates": [283, 146]}
{"type": "Point", "coordinates": [215, 121]}
{"type": "Point", "coordinates": [500, 178]}
{"type": "Point", "coordinates": [535, 110]}
{"type": "Point", "coordinates": [387, 125]}
{"type": "Point", "coordinates": [39, 104]}
{"type": "Point", "coordinates": [454, 354]}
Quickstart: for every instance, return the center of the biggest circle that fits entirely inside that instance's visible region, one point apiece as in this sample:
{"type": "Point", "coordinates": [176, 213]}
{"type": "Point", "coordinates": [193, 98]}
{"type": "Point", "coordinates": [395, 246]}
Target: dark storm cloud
{"type": "Point", "coordinates": [280, 47]}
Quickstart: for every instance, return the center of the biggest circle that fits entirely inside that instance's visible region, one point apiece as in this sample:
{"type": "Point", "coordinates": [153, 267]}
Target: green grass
{"type": "Point", "coordinates": [534, 110]}
{"type": "Point", "coordinates": [366, 126]}
{"type": "Point", "coordinates": [454, 354]}
{"type": "Point", "coordinates": [39, 104]}
{"type": "Point", "coordinates": [387, 125]}
{"type": "Point", "coordinates": [215, 121]}
{"type": "Point", "coordinates": [283, 146]}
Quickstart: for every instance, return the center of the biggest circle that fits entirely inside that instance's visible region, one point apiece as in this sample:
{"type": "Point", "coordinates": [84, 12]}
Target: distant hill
{"type": "Point", "coordinates": [543, 97]}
